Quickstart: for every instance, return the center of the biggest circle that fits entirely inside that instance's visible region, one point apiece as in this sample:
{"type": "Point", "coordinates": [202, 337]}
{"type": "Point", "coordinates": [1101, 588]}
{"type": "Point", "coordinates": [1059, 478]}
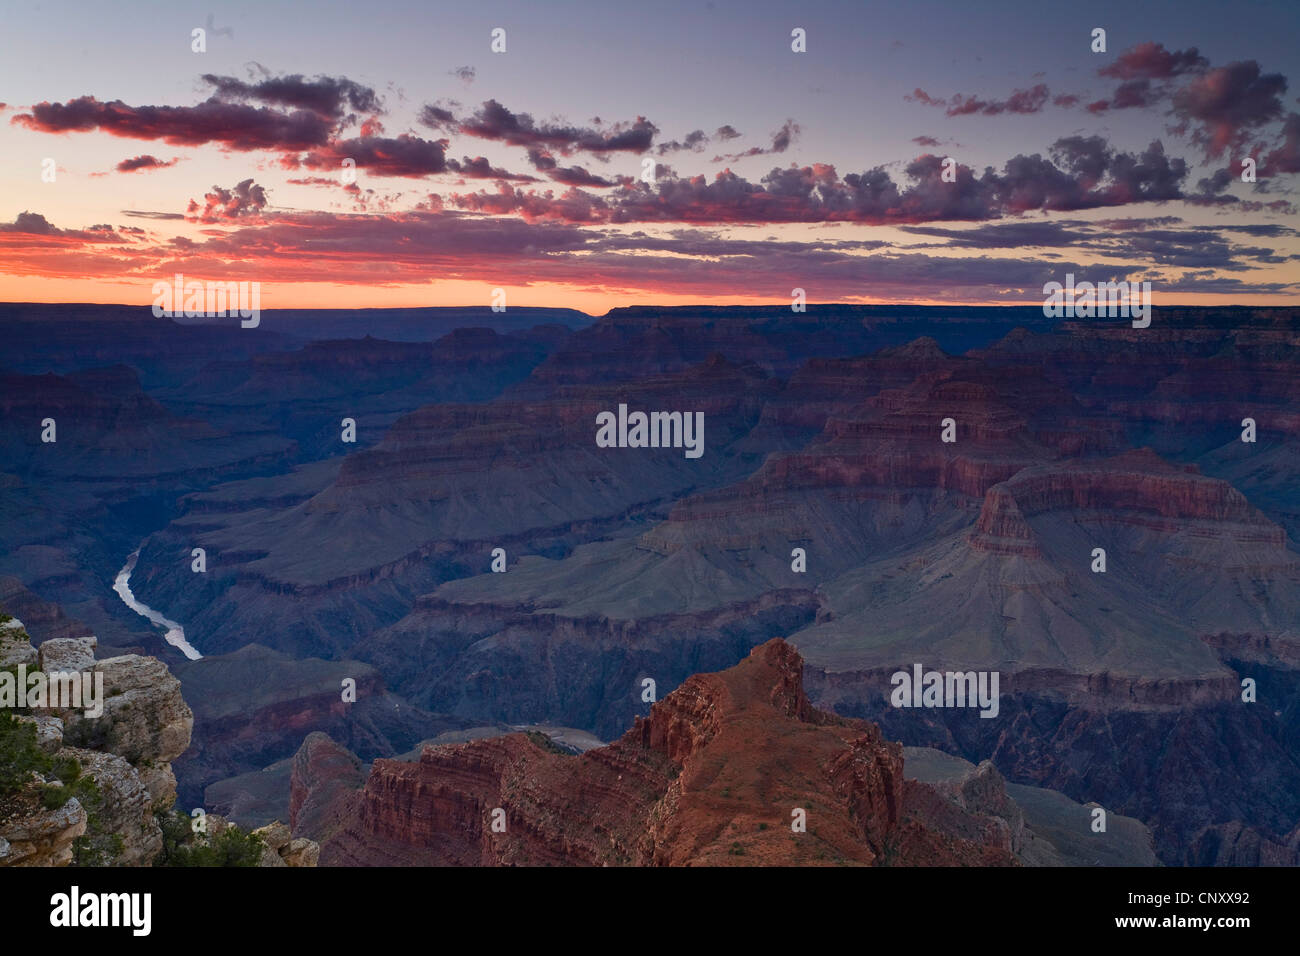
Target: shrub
{"type": "Point", "coordinates": [183, 847]}
{"type": "Point", "coordinates": [20, 755]}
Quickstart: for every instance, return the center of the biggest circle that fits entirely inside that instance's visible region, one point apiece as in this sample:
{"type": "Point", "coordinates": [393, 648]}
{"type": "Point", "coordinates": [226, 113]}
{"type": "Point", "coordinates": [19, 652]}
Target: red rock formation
{"type": "Point", "coordinates": [712, 777]}
{"type": "Point", "coordinates": [1137, 488]}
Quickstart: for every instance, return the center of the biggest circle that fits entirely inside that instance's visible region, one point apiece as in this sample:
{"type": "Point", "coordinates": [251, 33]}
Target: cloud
{"type": "Point", "coordinates": [1131, 241]}
{"type": "Point", "coordinates": [405, 155]}
{"type": "Point", "coordinates": [406, 248]}
{"type": "Point", "coordinates": [34, 224]}
{"type": "Point", "coordinates": [436, 117]}
{"type": "Point", "coordinates": [1152, 61]}
{"type": "Point", "coordinates": [1089, 175]}
{"type": "Point", "coordinates": [1219, 108]}
{"type": "Point", "coordinates": [1009, 236]}
{"type": "Point", "coordinates": [465, 74]}
{"type": "Point", "coordinates": [327, 96]}
{"type": "Point", "coordinates": [1286, 157]}
{"type": "Point", "coordinates": [1128, 95]}
{"type": "Point", "coordinates": [150, 214]}
{"type": "Point", "coordinates": [573, 206]}
{"type": "Point", "coordinates": [244, 200]}
{"type": "Point", "coordinates": [781, 140]}
{"type": "Point", "coordinates": [233, 125]}
{"type": "Point", "coordinates": [696, 140]}
{"type": "Point", "coordinates": [541, 158]}
{"type": "Point", "coordinates": [577, 176]}
{"type": "Point", "coordinates": [919, 95]}
{"type": "Point", "coordinates": [494, 122]}
{"type": "Point", "coordinates": [1223, 106]}
{"type": "Point", "coordinates": [1031, 100]}
{"type": "Point", "coordinates": [480, 168]}
{"type": "Point", "coordinates": [146, 161]}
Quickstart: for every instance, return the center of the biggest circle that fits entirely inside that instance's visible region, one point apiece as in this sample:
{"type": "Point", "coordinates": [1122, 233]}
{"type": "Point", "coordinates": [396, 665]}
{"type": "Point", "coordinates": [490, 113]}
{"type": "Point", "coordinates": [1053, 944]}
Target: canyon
{"type": "Point", "coordinates": [373, 560]}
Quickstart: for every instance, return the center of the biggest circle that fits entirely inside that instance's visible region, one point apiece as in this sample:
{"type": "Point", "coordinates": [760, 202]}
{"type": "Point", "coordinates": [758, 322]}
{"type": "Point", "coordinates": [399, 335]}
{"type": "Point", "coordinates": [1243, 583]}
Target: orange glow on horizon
{"type": "Point", "coordinates": [20, 289]}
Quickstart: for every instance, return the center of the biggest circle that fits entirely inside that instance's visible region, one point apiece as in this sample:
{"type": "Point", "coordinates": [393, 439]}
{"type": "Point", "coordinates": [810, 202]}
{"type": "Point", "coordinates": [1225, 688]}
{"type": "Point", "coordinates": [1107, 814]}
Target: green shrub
{"type": "Point", "coordinates": [20, 755]}
{"type": "Point", "coordinates": [183, 847]}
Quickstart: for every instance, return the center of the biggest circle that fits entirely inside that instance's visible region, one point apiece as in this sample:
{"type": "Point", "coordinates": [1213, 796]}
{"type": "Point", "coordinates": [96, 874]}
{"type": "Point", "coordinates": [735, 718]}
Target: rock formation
{"type": "Point", "coordinates": [127, 752]}
{"type": "Point", "coordinates": [723, 771]}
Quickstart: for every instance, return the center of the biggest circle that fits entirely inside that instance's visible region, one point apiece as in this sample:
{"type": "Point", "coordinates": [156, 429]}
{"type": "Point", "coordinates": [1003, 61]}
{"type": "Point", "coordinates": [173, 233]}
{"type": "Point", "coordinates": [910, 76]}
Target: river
{"type": "Point", "coordinates": [175, 635]}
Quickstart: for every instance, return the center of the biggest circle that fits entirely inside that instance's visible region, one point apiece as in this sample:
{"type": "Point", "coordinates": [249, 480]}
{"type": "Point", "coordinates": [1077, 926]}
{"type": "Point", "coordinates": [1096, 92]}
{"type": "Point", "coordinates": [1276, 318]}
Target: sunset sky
{"type": "Point", "coordinates": [775, 169]}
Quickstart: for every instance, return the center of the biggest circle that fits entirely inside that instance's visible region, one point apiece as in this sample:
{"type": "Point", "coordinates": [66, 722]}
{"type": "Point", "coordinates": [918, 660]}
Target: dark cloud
{"type": "Point", "coordinates": [480, 168]}
{"type": "Point", "coordinates": [574, 206]}
{"type": "Point", "coordinates": [1211, 190]}
{"type": "Point", "coordinates": [694, 141]}
{"type": "Point", "coordinates": [1128, 95]}
{"type": "Point", "coordinates": [326, 95]}
{"type": "Point", "coordinates": [435, 117]}
{"type": "Point", "coordinates": [697, 139]}
{"type": "Point", "coordinates": [1136, 241]}
{"type": "Point", "coordinates": [34, 224]}
{"type": "Point", "coordinates": [1225, 105]}
{"type": "Point", "coordinates": [1090, 175]}
{"type": "Point", "coordinates": [781, 141]}
{"type": "Point", "coordinates": [541, 158]}
{"type": "Point", "coordinates": [233, 125]}
{"type": "Point", "coordinates": [493, 121]}
{"type": "Point", "coordinates": [143, 162]}
{"type": "Point", "coordinates": [577, 176]}
{"type": "Point", "coordinates": [465, 74]}
{"type": "Point", "coordinates": [406, 155]}
{"type": "Point", "coordinates": [1009, 236]}
{"type": "Point", "coordinates": [1221, 109]}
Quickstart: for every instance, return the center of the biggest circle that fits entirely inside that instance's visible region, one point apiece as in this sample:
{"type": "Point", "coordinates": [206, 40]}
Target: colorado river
{"type": "Point", "coordinates": [175, 635]}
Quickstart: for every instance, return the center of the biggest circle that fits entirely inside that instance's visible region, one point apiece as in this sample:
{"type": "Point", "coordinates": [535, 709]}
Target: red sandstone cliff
{"type": "Point", "coordinates": [712, 777]}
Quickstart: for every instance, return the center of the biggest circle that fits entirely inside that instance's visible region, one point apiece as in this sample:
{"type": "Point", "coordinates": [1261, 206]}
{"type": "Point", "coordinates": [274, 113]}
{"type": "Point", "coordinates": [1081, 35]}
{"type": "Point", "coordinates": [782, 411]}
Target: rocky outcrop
{"type": "Point", "coordinates": [145, 718]}
{"type": "Point", "coordinates": [732, 768]}
{"type": "Point", "coordinates": [127, 808]}
{"type": "Point", "coordinates": [31, 835]}
{"type": "Point", "coordinates": [125, 750]}
{"type": "Point", "coordinates": [323, 774]}
{"type": "Point", "coordinates": [282, 849]}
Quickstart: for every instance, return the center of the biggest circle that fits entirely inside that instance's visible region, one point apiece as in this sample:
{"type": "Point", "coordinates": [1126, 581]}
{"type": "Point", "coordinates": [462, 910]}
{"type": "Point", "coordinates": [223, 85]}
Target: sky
{"type": "Point", "coordinates": [913, 152]}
